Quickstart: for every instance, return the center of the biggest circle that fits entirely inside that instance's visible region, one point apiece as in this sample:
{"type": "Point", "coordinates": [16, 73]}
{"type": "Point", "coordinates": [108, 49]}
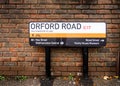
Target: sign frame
{"type": "Point", "coordinates": [61, 41]}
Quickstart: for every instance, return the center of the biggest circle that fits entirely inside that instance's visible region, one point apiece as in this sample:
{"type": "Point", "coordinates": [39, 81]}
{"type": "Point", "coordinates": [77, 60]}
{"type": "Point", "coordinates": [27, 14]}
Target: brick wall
{"type": "Point", "coordinates": [17, 57]}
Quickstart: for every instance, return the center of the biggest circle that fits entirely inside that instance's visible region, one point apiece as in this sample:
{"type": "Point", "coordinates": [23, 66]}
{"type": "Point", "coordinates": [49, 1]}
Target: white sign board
{"type": "Point", "coordinates": [67, 34]}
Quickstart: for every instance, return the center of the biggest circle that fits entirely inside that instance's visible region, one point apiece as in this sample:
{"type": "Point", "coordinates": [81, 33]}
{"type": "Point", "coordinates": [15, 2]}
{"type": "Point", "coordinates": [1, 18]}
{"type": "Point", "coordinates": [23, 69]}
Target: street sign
{"type": "Point", "coordinates": [67, 34]}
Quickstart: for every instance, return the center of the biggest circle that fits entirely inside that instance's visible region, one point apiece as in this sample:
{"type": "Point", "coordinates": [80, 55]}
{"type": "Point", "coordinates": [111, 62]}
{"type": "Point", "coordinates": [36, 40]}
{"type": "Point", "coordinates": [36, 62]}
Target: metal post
{"type": "Point", "coordinates": [48, 62]}
{"type": "Point", "coordinates": [85, 62]}
{"type": "Point", "coordinates": [118, 65]}
{"type": "Point", "coordinates": [48, 81]}
{"type": "Point", "coordinates": [85, 81]}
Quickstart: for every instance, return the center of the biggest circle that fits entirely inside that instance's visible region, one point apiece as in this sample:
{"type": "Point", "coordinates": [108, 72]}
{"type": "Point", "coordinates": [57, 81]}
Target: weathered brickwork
{"type": "Point", "coordinates": [17, 57]}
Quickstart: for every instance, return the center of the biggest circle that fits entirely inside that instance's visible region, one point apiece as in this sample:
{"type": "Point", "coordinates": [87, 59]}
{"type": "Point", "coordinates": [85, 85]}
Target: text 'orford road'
{"type": "Point", "coordinates": [71, 34]}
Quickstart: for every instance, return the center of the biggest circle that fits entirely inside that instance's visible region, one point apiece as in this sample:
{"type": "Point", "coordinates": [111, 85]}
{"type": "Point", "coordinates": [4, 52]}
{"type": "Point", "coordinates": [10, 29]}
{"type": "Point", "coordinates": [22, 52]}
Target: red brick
{"type": "Point", "coordinates": [97, 7]}
{"type": "Point", "coordinates": [78, 64]}
{"type": "Point", "coordinates": [3, 68]}
{"type": "Point", "coordinates": [17, 68]}
{"type": "Point", "coordinates": [11, 73]}
{"type": "Point", "coordinates": [60, 68]}
{"type": "Point", "coordinates": [25, 73]}
{"type": "Point", "coordinates": [42, 69]}
{"type": "Point", "coordinates": [16, 11]}
{"type": "Point", "coordinates": [38, 6]}
{"type": "Point", "coordinates": [52, 16]}
{"type": "Point", "coordinates": [8, 16]}
{"type": "Point", "coordinates": [3, 30]}
{"type": "Point", "coordinates": [6, 59]}
{"type": "Point", "coordinates": [38, 64]}
{"type": "Point", "coordinates": [30, 59]}
{"type": "Point", "coordinates": [113, 69]}
{"type": "Point", "coordinates": [9, 25]}
{"type": "Point", "coordinates": [36, 54]}
{"type": "Point", "coordinates": [9, 54]}
{"type": "Point", "coordinates": [74, 69]}
{"type": "Point", "coordinates": [103, 69]}
{"type": "Point", "coordinates": [2, 11]}
{"type": "Point", "coordinates": [22, 16]}
{"type": "Point", "coordinates": [116, 40]}
{"type": "Point", "coordinates": [1, 63]}
{"type": "Point", "coordinates": [115, 50]}
{"type": "Point", "coordinates": [110, 16]}
{"type": "Point", "coordinates": [38, 16]}
{"type": "Point", "coordinates": [59, 59]}
{"type": "Point", "coordinates": [110, 73]}
{"type": "Point", "coordinates": [15, 1]}
{"type": "Point", "coordinates": [104, 1]}
{"type": "Point", "coordinates": [24, 63]}
{"type": "Point", "coordinates": [66, 16]}
{"type": "Point", "coordinates": [24, 6]}
{"type": "Point", "coordinates": [81, 16]}
{"type": "Point", "coordinates": [30, 68]}
{"type": "Point", "coordinates": [103, 11]}
{"type": "Point", "coordinates": [113, 7]}
{"type": "Point", "coordinates": [56, 73]}
{"type": "Point", "coordinates": [10, 63]}
{"type": "Point", "coordinates": [3, 2]}
{"type": "Point", "coordinates": [21, 59]}
{"type": "Point", "coordinates": [112, 45]}
{"type": "Point", "coordinates": [30, 11]}
{"type": "Point", "coordinates": [113, 30]}
{"type": "Point", "coordinates": [72, 11]}
{"type": "Point", "coordinates": [96, 16]}
{"type": "Point", "coordinates": [50, 6]}
{"type": "Point", "coordinates": [30, 1]}
{"type": "Point", "coordinates": [92, 69]}
{"type": "Point", "coordinates": [11, 6]}
{"type": "Point", "coordinates": [68, 73]}
{"type": "Point", "coordinates": [16, 21]}
{"type": "Point", "coordinates": [38, 73]}
{"type": "Point", "coordinates": [41, 59]}
{"type": "Point", "coordinates": [1, 46]}
{"type": "Point", "coordinates": [14, 59]}
{"type": "Point", "coordinates": [24, 54]}
{"type": "Point", "coordinates": [28, 49]}
{"type": "Point", "coordinates": [96, 73]}
{"type": "Point", "coordinates": [116, 11]}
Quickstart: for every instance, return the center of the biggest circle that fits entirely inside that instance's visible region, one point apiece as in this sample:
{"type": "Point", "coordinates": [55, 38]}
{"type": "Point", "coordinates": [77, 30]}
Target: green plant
{"type": "Point", "coordinates": [2, 78]}
{"type": "Point", "coordinates": [70, 77]}
{"type": "Point", "coordinates": [21, 78]}
{"type": "Point", "coordinates": [117, 77]}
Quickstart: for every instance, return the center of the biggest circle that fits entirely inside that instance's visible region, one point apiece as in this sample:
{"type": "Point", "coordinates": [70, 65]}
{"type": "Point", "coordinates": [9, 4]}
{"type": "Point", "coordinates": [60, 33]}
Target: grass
{"type": "Point", "coordinates": [2, 78]}
{"type": "Point", "coordinates": [21, 78]}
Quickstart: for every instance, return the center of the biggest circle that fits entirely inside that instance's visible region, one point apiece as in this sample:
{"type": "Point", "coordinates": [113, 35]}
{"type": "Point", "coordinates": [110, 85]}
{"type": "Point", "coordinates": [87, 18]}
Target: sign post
{"type": "Point", "coordinates": [48, 62]}
{"type": "Point", "coordinates": [68, 34]}
{"type": "Point", "coordinates": [118, 66]}
{"type": "Point", "coordinates": [85, 81]}
{"type": "Point", "coordinates": [85, 62]}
